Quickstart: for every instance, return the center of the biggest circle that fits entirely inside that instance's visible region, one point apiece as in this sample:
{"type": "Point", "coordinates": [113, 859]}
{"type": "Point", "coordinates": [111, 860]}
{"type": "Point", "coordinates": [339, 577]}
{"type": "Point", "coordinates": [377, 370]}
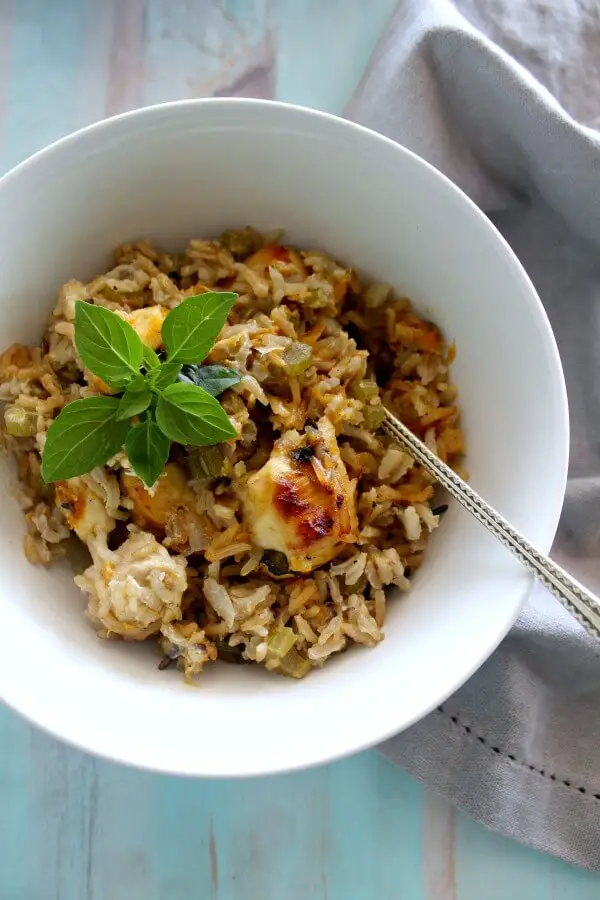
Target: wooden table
{"type": "Point", "coordinates": [73, 828]}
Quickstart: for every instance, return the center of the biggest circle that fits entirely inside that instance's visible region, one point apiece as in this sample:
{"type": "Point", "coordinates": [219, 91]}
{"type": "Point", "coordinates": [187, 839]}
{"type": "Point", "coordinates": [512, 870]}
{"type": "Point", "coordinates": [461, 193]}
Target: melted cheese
{"type": "Point", "coordinates": [301, 502]}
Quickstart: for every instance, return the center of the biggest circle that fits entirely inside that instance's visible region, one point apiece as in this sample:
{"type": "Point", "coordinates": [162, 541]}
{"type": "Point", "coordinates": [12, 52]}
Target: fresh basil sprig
{"type": "Point", "coordinates": [190, 330]}
{"type": "Point", "coordinates": [214, 379]}
{"type": "Point", "coordinates": [188, 415]}
{"type": "Point", "coordinates": [158, 401]}
{"type": "Point", "coordinates": [84, 435]}
{"type": "Point", "coordinates": [165, 375]}
{"type": "Point", "coordinates": [147, 449]}
{"type": "Point", "coordinates": [107, 345]}
{"type": "Point", "coordinates": [136, 399]}
{"type": "Point", "coordinates": [150, 360]}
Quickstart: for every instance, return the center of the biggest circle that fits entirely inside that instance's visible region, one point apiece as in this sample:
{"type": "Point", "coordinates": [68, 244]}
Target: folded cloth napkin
{"type": "Point", "coordinates": [518, 747]}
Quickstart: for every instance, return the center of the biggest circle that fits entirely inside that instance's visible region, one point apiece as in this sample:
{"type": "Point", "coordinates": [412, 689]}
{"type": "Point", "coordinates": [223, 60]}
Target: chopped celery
{"type": "Point", "coordinates": [297, 358]}
{"type": "Point", "coordinates": [205, 462]}
{"type": "Point", "coordinates": [241, 242]}
{"type": "Point", "coordinates": [365, 390]}
{"type": "Point", "coordinates": [373, 416]}
{"type": "Point", "coordinates": [20, 422]}
{"type": "Point", "coordinates": [294, 665]}
{"type": "Point", "coordinates": [280, 641]}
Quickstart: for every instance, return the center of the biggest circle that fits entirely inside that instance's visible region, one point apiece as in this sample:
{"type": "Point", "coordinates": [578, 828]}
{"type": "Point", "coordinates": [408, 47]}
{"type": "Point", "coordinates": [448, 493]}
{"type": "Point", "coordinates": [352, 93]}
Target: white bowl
{"type": "Point", "coordinates": [189, 169]}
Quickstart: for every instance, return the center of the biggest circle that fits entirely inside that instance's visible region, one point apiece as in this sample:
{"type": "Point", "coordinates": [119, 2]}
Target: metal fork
{"type": "Point", "coordinates": [580, 602]}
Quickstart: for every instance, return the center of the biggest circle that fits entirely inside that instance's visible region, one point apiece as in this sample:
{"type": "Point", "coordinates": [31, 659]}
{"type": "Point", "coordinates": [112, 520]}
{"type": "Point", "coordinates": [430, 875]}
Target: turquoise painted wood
{"type": "Point", "coordinates": [74, 828]}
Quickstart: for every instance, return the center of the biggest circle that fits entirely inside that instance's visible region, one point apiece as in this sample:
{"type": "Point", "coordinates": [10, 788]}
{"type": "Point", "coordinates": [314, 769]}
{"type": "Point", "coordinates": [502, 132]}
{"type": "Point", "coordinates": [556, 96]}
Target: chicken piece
{"type": "Point", "coordinates": [148, 323]}
{"type": "Point", "coordinates": [84, 509]}
{"type": "Point", "coordinates": [135, 589]}
{"type": "Point", "coordinates": [301, 503]}
{"type": "Point", "coordinates": [168, 510]}
{"type": "Point", "coordinates": [152, 508]}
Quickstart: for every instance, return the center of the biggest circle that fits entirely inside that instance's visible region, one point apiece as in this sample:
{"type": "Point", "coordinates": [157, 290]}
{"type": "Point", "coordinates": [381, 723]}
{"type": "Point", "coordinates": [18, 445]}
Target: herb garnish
{"type": "Point", "coordinates": [157, 401]}
{"type": "Point", "coordinates": [214, 379]}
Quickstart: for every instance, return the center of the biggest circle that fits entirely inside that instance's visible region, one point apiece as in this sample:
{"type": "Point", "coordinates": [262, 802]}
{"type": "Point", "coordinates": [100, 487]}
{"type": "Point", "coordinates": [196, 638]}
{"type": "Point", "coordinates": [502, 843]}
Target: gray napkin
{"type": "Point", "coordinates": [519, 746]}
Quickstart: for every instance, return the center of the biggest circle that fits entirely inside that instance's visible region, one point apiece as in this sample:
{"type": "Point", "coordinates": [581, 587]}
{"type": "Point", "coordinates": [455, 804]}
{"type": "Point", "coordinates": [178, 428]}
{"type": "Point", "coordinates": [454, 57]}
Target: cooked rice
{"type": "Point", "coordinates": [179, 563]}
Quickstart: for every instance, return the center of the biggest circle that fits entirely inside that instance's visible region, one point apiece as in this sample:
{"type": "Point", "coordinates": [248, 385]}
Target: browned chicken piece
{"type": "Point", "coordinates": [148, 324]}
{"type": "Point", "coordinates": [152, 508]}
{"type": "Point", "coordinates": [84, 510]}
{"type": "Point", "coordinates": [302, 502]}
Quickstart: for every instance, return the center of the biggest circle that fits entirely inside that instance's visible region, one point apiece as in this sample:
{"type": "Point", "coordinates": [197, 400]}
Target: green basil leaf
{"type": "Point", "coordinates": [190, 330]}
{"type": "Point", "coordinates": [188, 415]}
{"type": "Point", "coordinates": [85, 434]}
{"type": "Point", "coordinates": [107, 345]}
{"type": "Point", "coordinates": [150, 359]}
{"type": "Point", "coordinates": [214, 379]}
{"type": "Point", "coordinates": [135, 400]}
{"type": "Point", "coordinates": [148, 450]}
{"type": "Point", "coordinates": [161, 378]}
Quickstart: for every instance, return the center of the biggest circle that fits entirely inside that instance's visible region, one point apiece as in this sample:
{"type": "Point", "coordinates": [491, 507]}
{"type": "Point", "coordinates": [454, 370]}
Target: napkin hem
{"type": "Point", "coordinates": [510, 758]}
{"type": "Point", "coordinates": [438, 750]}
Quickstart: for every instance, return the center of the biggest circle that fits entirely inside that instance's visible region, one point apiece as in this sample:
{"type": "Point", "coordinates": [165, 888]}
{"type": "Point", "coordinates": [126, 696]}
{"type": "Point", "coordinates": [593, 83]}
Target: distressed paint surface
{"type": "Point", "coordinates": [73, 828]}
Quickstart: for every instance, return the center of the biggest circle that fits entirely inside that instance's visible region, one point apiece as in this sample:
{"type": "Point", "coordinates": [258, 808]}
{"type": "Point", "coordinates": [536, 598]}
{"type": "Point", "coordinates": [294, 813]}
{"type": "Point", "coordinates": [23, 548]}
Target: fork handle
{"type": "Point", "coordinates": [576, 598]}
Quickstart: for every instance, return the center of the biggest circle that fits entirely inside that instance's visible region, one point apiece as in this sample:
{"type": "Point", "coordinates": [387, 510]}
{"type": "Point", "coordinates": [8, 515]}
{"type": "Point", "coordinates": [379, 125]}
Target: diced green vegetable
{"type": "Point", "coordinates": [297, 358]}
{"type": "Point", "coordinates": [280, 641]}
{"type": "Point", "coordinates": [20, 422]}
{"type": "Point", "coordinates": [365, 390]}
{"type": "Point", "coordinates": [294, 665]}
{"type": "Point", "coordinates": [205, 462]}
{"type": "Point", "coordinates": [373, 416]}
{"type": "Point", "coordinates": [241, 242]}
